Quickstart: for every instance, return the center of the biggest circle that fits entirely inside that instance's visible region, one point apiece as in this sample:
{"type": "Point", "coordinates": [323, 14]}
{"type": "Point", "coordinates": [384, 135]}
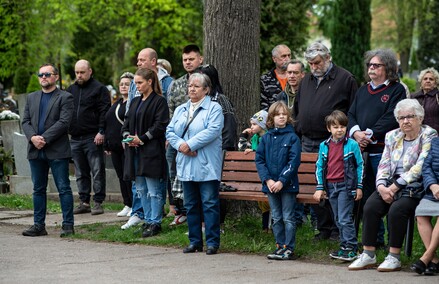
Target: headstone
{"type": "Point", "coordinates": [20, 154]}
{"type": "Point", "coordinates": [8, 128]}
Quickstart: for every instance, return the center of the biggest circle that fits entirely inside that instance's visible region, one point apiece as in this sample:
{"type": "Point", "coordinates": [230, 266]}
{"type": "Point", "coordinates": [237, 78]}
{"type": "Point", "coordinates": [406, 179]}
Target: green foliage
{"type": "Point", "coordinates": [21, 80]}
{"type": "Point", "coordinates": [34, 84]}
{"type": "Point", "coordinates": [428, 54]}
{"type": "Point", "coordinates": [283, 22]}
{"type": "Point", "coordinates": [350, 34]}
{"type": "Point", "coordinates": [411, 83]}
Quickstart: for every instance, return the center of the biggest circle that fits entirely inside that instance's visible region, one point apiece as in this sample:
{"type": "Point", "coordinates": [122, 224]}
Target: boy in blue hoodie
{"type": "Point", "coordinates": [339, 174]}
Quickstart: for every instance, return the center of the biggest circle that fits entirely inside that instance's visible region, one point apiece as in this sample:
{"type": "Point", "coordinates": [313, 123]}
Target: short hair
{"type": "Point", "coordinates": [128, 75]}
{"type": "Point", "coordinates": [297, 61]}
{"type": "Point", "coordinates": [316, 49]}
{"type": "Point", "coordinates": [165, 63]}
{"type": "Point", "coordinates": [407, 105]}
{"type": "Point", "coordinates": [429, 70]}
{"type": "Point", "coordinates": [274, 110]}
{"type": "Point", "coordinates": [275, 50]}
{"type": "Point", "coordinates": [149, 74]}
{"type": "Point", "coordinates": [388, 58]}
{"type": "Point", "coordinates": [336, 117]}
{"type": "Point", "coordinates": [203, 78]}
{"type": "Point", "coordinates": [191, 48]}
{"type": "Point", "coordinates": [55, 70]}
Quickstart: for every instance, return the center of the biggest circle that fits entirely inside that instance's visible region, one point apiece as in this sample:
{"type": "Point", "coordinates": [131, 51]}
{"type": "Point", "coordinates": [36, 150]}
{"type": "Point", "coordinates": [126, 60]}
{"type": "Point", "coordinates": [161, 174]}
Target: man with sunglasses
{"type": "Point", "coordinates": [371, 114]}
{"type": "Point", "coordinates": [326, 88]}
{"type": "Point", "coordinates": [46, 120]}
{"type": "Point", "coordinates": [92, 101]}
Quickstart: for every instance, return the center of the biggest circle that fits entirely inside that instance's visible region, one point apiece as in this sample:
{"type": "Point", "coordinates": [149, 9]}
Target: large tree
{"type": "Point", "coordinates": [231, 44]}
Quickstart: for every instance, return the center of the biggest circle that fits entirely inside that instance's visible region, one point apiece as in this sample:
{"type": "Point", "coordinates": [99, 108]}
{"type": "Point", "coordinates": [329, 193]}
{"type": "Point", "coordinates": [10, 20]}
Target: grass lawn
{"type": "Point", "coordinates": [242, 235]}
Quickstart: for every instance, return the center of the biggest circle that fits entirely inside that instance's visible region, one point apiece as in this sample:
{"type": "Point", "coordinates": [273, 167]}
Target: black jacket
{"type": "Point", "coordinates": [148, 121]}
{"type": "Point", "coordinates": [92, 101]}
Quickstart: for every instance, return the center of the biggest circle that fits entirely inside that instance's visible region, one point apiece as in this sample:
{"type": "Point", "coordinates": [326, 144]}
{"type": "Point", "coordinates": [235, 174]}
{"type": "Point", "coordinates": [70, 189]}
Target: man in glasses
{"type": "Point", "coordinates": [326, 88]}
{"type": "Point", "coordinates": [46, 121]}
{"type": "Point", "coordinates": [274, 81]}
{"type": "Point", "coordinates": [371, 114]}
{"type": "Point", "coordinates": [92, 101]}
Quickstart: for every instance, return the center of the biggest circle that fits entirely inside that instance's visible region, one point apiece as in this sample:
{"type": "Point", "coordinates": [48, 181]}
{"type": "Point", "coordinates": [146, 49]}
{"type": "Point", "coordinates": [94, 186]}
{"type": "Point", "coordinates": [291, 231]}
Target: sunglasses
{"type": "Point", "coordinates": [47, 75]}
{"type": "Point", "coordinates": [374, 65]}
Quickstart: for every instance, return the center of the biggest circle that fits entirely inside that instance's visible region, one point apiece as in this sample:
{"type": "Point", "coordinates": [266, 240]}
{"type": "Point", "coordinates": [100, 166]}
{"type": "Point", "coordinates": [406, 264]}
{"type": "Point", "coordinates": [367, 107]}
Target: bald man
{"type": "Point", "coordinates": [91, 102]}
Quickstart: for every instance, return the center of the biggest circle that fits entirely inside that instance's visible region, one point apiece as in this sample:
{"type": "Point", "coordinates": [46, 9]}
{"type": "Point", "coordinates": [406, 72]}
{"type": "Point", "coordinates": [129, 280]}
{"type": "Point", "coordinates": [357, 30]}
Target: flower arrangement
{"type": "Point", "coordinates": [8, 115]}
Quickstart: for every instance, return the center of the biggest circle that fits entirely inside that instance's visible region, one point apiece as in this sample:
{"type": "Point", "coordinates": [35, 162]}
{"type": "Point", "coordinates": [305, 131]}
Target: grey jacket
{"type": "Point", "coordinates": [58, 117]}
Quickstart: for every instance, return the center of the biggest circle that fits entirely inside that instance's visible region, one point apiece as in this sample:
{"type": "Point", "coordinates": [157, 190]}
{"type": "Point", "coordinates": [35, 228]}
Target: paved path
{"type": "Point", "coordinates": [50, 259]}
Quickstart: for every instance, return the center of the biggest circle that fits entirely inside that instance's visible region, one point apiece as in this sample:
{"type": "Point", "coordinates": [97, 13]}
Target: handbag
{"type": "Point", "coordinates": [414, 190]}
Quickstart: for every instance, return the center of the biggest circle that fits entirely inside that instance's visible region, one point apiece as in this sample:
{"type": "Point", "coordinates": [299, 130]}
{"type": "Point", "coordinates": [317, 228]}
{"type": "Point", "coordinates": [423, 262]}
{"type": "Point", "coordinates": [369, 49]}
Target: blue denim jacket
{"type": "Point", "coordinates": [203, 136]}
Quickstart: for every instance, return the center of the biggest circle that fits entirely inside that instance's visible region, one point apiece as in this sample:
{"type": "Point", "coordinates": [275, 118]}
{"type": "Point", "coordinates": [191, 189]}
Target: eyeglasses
{"type": "Point", "coordinates": [409, 117]}
{"type": "Point", "coordinates": [47, 75]}
{"type": "Point", "coordinates": [374, 65]}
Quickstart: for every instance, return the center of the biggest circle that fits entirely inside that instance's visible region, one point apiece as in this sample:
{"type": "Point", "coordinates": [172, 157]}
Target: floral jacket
{"type": "Point", "coordinates": [413, 158]}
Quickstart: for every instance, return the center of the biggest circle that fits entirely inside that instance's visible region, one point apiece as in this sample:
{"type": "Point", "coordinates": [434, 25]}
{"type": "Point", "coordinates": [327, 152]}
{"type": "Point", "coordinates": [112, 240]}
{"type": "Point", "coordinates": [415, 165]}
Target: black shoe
{"type": "Point", "coordinates": [144, 227]}
{"type": "Point", "coordinates": [67, 230]}
{"type": "Point", "coordinates": [211, 250]}
{"type": "Point", "coordinates": [193, 248]}
{"type": "Point", "coordinates": [35, 231]}
{"type": "Point", "coordinates": [152, 230]}
{"type": "Point", "coordinates": [82, 208]}
{"type": "Point", "coordinates": [432, 269]}
{"type": "Point", "coordinates": [419, 266]}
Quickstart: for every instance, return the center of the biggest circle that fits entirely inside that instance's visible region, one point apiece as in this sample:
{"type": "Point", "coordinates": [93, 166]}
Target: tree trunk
{"type": "Point", "coordinates": [231, 44]}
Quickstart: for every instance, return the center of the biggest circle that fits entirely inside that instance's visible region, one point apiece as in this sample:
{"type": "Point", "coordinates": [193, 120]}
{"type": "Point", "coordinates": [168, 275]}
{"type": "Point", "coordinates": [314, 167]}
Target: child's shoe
{"type": "Point", "coordinates": [275, 253]}
{"type": "Point", "coordinates": [348, 254]}
{"type": "Point", "coordinates": [337, 253]}
{"type": "Point", "coordinates": [287, 255]}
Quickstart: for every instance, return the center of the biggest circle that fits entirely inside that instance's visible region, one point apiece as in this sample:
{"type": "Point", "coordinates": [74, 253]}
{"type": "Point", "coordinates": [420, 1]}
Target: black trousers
{"type": "Point", "coordinates": [398, 212]}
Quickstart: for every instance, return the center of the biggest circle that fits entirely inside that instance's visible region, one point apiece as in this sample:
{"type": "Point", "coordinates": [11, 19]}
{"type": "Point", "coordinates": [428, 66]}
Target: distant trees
{"type": "Point", "coordinates": [428, 53]}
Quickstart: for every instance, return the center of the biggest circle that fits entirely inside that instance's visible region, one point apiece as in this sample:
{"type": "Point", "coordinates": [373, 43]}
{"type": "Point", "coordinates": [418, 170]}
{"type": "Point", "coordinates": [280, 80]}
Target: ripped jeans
{"type": "Point", "coordinates": [150, 191]}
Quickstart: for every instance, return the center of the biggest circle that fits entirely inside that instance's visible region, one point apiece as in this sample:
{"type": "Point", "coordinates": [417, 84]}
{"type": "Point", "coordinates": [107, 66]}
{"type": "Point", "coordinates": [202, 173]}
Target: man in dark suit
{"type": "Point", "coordinates": [46, 122]}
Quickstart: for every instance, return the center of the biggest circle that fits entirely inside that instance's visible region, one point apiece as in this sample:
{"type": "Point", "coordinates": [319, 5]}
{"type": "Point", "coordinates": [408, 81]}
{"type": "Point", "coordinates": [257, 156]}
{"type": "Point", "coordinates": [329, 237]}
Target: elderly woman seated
{"type": "Point", "coordinates": [399, 189]}
{"type": "Point", "coordinates": [426, 210]}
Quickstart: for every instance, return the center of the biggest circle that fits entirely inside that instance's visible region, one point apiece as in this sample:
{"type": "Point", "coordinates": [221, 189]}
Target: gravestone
{"type": "Point", "coordinates": [8, 128]}
{"type": "Point", "coordinates": [20, 154]}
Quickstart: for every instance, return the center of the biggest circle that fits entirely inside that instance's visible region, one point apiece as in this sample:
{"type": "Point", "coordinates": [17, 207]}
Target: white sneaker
{"type": "Point", "coordinates": [134, 220]}
{"type": "Point", "coordinates": [124, 212]}
{"type": "Point", "coordinates": [389, 264]}
{"type": "Point", "coordinates": [363, 261]}
{"type": "Point", "coordinates": [178, 220]}
{"type": "Point", "coordinates": [129, 212]}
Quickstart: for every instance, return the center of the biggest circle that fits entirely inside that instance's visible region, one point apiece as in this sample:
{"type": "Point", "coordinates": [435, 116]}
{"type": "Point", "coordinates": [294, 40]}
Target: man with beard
{"type": "Point", "coordinates": [274, 81]}
{"type": "Point", "coordinates": [92, 101]}
{"type": "Point", "coordinates": [327, 88]}
{"type": "Point", "coordinates": [46, 121]}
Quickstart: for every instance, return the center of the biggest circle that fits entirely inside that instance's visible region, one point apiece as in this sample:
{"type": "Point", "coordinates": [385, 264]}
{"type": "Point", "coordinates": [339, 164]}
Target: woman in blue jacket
{"type": "Point", "coordinates": [195, 131]}
{"type": "Point", "coordinates": [277, 161]}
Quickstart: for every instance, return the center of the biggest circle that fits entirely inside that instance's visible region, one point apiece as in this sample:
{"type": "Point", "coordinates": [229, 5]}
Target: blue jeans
{"type": "Point", "coordinates": [150, 191]}
{"type": "Point", "coordinates": [342, 203]}
{"type": "Point", "coordinates": [60, 172]}
{"type": "Point", "coordinates": [89, 157]}
{"type": "Point", "coordinates": [202, 199]}
{"type": "Point", "coordinates": [137, 208]}
{"type": "Point", "coordinates": [282, 206]}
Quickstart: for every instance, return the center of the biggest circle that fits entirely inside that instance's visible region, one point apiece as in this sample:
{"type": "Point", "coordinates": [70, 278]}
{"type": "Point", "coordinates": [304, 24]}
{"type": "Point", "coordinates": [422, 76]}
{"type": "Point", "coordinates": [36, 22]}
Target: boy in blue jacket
{"type": "Point", "coordinates": [339, 174]}
{"type": "Point", "coordinates": [277, 161]}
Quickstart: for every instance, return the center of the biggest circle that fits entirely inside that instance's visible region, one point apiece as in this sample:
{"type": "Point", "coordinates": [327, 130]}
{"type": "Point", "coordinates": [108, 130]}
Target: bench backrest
{"type": "Point", "coordinates": [241, 167]}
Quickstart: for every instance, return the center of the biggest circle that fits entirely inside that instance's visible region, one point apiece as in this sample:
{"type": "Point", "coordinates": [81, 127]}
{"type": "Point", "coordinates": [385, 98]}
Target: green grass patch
{"type": "Point", "coordinates": [242, 235]}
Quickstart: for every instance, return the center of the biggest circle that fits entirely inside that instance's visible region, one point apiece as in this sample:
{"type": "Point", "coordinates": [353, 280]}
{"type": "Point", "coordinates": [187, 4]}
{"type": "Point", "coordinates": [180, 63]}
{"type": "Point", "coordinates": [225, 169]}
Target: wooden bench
{"type": "Point", "coordinates": [239, 171]}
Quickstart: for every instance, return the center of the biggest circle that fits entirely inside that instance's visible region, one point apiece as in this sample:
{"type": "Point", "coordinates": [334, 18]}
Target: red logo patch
{"type": "Point", "coordinates": [385, 98]}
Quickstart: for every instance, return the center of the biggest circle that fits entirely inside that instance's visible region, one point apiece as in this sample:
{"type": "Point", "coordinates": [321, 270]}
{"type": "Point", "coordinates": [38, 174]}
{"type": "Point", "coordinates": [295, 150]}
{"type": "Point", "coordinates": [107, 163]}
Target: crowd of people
{"type": "Point", "coordinates": [376, 145]}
